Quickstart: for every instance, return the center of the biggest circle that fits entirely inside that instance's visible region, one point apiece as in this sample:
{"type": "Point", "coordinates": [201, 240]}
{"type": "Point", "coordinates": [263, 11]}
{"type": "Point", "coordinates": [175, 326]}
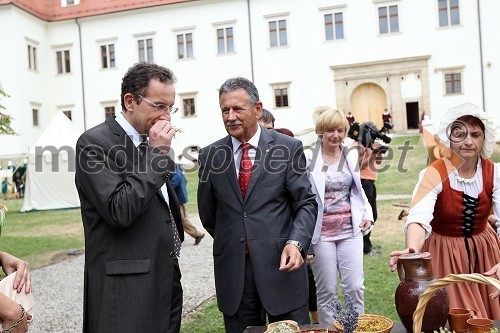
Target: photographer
{"type": "Point", "coordinates": [370, 157]}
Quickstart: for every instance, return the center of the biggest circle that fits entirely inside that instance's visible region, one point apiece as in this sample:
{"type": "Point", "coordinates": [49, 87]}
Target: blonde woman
{"type": "Point", "coordinates": [343, 215]}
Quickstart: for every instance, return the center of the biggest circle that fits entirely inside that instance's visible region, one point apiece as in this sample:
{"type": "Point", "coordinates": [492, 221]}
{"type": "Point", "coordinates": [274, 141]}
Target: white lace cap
{"type": "Point", "coordinates": [468, 109]}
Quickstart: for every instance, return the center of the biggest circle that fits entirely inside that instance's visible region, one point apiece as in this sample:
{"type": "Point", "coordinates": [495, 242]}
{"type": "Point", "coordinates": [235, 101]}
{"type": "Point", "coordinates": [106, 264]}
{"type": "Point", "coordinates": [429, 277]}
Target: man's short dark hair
{"type": "Point", "coordinates": [137, 78]}
{"type": "Point", "coordinates": [241, 83]}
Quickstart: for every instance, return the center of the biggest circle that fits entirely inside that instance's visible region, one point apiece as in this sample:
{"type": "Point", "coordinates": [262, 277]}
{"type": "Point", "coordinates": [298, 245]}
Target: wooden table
{"type": "Point", "coordinates": [398, 327]}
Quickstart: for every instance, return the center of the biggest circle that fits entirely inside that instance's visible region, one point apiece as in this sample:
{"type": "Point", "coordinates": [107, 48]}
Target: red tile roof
{"type": "Point", "coordinates": [51, 10]}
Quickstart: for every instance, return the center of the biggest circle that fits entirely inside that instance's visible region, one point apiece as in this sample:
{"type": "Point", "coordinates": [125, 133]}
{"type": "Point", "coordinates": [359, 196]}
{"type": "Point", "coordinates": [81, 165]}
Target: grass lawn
{"type": "Point", "coordinates": [41, 237]}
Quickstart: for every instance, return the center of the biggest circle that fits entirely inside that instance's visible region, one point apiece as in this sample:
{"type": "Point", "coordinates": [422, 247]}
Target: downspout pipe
{"type": "Point", "coordinates": [481, 52]}
{"type": "Point", "coordinates": [250, 35]}
{"type": "Point", "coordinates": [81, 74]}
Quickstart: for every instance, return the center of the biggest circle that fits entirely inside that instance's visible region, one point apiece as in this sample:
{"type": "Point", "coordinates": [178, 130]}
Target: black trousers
{"type": "Point", "coordinates": [371, 194]}
{"type": "Point", "coordinates": [176, 303]}
{"type": "Point", "coordinates": [251, 312]}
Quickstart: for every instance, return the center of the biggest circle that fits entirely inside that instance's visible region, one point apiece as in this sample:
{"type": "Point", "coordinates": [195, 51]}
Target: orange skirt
{"type": "Point", "coordinates": [450, 256]}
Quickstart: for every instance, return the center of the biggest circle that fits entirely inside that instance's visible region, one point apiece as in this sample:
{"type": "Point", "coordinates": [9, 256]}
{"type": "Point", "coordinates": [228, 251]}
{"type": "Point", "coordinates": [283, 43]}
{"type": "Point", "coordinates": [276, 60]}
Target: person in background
{"type": "Point", "coordinates": [370, 159]}
{"type": "Point", "coordinates": [178, 181]}
{"type": "Point", "coordinates": [131, 218]}
{"type": "Point", "coordinates": [266, 119]}
{"type": "Point", "coordinates": [5, 188]}
{"type": "Point", "coordinates": [386, 118]}
{"type": "Point", "coordinates": [344, 214]}
{"type": "Point", "coordinates": [350, 118]}
{"type": "Point", "coordinates": [17, 183]}
{"type": "Point", "coordinates": [260, 211]}
{"type": "Point", "coordinates": [420, 124]}
{"type": "Point", "coordinates": [450, 207]}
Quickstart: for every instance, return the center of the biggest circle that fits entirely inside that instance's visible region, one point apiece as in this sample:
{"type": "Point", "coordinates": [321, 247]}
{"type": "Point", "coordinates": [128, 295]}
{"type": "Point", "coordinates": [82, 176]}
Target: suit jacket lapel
{"type": "Point", "coordinates": [123, 140]}
{"type": "Point", "coordinates": [225, 153]}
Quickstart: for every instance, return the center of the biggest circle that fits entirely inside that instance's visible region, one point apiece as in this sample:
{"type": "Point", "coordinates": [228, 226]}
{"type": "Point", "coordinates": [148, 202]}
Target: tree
{"type": "Point", "coordinates": [5, 119]}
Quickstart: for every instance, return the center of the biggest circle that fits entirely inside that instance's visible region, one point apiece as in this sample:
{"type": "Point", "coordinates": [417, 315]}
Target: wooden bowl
{"type": "Point", "coordinates": [385, 324]}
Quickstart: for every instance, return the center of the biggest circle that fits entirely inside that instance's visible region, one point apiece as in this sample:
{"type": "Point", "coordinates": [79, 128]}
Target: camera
{"type": "Point", "coordinates": [366, 134]}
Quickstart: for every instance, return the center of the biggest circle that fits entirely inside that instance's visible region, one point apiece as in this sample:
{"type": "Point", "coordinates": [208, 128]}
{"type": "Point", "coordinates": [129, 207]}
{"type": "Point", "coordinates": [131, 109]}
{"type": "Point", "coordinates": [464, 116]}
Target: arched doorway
{"type": "Point", "coordinates": [368, 102]}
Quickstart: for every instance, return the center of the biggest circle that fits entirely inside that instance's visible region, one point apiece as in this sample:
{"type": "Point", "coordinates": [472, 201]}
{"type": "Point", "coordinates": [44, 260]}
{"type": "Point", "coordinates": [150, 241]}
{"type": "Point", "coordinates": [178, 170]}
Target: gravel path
{"type": "Point", "coordinates": [58, 288]}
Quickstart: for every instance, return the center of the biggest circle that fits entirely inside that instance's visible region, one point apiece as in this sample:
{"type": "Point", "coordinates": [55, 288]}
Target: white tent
{"type": "Point", "coordinates": [50, 175]}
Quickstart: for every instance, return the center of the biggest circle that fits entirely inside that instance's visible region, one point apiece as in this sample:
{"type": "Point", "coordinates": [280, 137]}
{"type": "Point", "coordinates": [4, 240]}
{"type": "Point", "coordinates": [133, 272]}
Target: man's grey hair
{"type": "Point", "coordinates": [240, 83]}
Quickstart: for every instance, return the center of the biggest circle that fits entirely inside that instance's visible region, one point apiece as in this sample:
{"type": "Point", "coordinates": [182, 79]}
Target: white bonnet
{"type": "Point", "coordinates": [468, 109]}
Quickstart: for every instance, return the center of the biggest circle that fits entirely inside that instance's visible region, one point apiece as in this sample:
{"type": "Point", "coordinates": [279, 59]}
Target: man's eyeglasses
{"type": "Point", "coordinates": [160, 107]}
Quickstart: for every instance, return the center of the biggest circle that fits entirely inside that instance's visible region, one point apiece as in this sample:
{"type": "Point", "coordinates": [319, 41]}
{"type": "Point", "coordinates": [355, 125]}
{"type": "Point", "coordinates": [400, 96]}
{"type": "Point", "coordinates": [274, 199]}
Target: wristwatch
{"type": "Point", "coordinates": [296, 243]}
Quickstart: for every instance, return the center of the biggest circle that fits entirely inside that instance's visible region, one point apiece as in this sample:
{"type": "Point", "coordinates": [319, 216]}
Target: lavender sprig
{"type": "Point", "coordinates": [346, 316]}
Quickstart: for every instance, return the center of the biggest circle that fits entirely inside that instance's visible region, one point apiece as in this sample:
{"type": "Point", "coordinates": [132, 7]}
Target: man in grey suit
{"type": "Point", "coordinates": [256, 202]}
{"type": "Point", "coordinates": [130, 212]}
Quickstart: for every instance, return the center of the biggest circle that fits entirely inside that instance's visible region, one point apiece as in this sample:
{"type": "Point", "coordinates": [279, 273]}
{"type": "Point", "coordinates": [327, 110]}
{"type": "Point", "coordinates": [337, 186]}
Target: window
{"type": "Point", "coordinates": [32, 65]}
{"type": "Point", "coordinates": [453, 83]}
{"type": "Point", "coordinates": [35, 117]}
{"type": "Point", "coordinates": [145, 50]}
{"type": "Point", "coordinates": [109, 111]}
{"type": "Point", "coordinates": [188, 107]}
{"type": "Point", "coordinates": [388, 19]}
{"type": "Point", "coordinates": [277, 33]}
{"type": "Point", "coordinates": [185, 45]}
{"type": "Point", "coordinates": [281, 95]}
{"type": "Point", "coordinates": [448, 13]}
{"type": "Point", "coordinates": [108, 56]}
{"type": "Point", "coordinates": [334, 29]}
{"type": "Point", "coordinates": [67, 113]}
{"type": "Point", "coordinates": [63, 62]}
{"type": "Point", "coordinates": [225, 40]}
{"type": "Point", "coordinates": [67, 3]}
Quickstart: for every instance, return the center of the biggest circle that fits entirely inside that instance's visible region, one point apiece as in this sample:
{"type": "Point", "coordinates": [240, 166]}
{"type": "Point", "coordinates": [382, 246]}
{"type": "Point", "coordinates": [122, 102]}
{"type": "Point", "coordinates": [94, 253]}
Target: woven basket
{"type": "Point", "coordinates": [424, 298]}
{"type": "Point", "coordinates": [363, 318]}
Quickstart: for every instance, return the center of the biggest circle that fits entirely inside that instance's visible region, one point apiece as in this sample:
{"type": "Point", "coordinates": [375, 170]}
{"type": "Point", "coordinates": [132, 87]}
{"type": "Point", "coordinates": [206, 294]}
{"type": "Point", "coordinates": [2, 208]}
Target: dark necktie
{"type": "Point", "coordinates": [143, 147]}
{"type": "Point", "coordinates": [245, 169]}
{"type": "Point", "coordinates": [177, 240]}
{"type": "Point", "coordinates": [175, 232]}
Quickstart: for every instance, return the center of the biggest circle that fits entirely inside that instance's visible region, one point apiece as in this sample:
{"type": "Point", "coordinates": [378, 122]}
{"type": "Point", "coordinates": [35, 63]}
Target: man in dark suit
{"type": "Point", "coordinates": [130, 212]}
{"type": "Point", "coordinates": [256, 202]}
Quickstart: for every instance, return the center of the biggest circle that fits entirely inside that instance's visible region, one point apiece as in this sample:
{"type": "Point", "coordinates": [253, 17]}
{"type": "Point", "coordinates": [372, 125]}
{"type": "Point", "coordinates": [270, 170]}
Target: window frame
{"type": "Point", "coordinates": [281, 34]}
{"type": "Point", "coordinates": [187, 46]}
{"type": "Point", "coordinates": [449, 16]}
{"type": "Point", "coordinates": [32, 47]}
{"type": "Point", "coordinates": [63, 61]}
{"type": "Point", "coordinates": [188, 96]}
{"type": "Point", "coordinates": [388, 19]}
{"type": "Point", "coordinates": [333, 25]}
{"type": "Point", "coordinates": [281, 86]}
{"type": "Point", "coordinates": [453, 72]}
{"type": "Point", "coordinates": [108, 56]}
{"type": "Point", "coordinates": [223, 41]}
{"type": "Point", "coordinates": [35, 116]}
{"type": "Point", "coordinates": [147, 50]}
{"type": "Point", "coordinates": [68, 113]}
{"type": "Point", "coordinates": [107, 110]}
{"type": "Point", "coordinates": [69, 3]}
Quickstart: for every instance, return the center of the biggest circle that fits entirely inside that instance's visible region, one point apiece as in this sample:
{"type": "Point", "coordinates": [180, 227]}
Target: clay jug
{"type": "Point", "coordinates": [415, 274]}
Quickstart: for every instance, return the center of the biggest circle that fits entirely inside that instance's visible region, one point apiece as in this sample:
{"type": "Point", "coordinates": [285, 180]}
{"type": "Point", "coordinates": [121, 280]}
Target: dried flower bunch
{"type": "Point", "coordinates": [283, 328]}
{"type": "Point", "coordinates": [347, 316]}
